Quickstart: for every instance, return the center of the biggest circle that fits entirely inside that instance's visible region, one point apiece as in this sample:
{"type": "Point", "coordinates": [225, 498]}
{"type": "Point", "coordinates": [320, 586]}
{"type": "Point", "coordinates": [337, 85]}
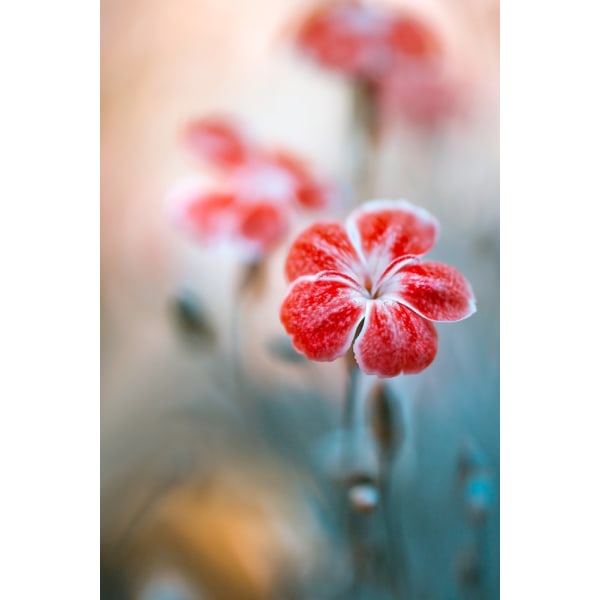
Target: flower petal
{"type": "Point", "coordinates": [209, 214]}
{"type": "Point", "coordinates": [322, 247]}
{"type": "Point", "coordinates": [327, 38]}
{"type": "Point", "coordinates": [394, 340]}
{"type": "Point", "coordinates": [322, 313]}
{"type": "Point", "coordinates": [383, 230]}
{"type": "Point", "coordinates": [309, 192]}
{"type": "Point", "coordinates": [265, 223]}
{"type": "Point", "coordinates": [410, 37]}
{"type": "Point", "coordinates": [262, 180]}
{"type": "Point", "coordinates": [434, 290]}
{"type": "Point", "coordinates": [348, 37]}
{"type": "Point", "coordinates": [218, 142]}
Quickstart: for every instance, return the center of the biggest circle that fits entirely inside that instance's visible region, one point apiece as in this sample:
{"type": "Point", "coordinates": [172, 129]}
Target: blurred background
{"type": "Point", "coordinates": [212, 489]}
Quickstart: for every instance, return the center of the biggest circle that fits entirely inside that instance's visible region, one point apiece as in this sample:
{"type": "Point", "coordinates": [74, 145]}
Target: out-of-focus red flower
{"type": "Point", "coordinates": [251, 206]}
{"type": "Point", "coordinates": [365, 40]}
{"type": "Point", "coordinates": [225, 219]}
{"type": "Point", "coordinates": [399, 55]}
{"type": "Point", "coordinates": [363, 283]}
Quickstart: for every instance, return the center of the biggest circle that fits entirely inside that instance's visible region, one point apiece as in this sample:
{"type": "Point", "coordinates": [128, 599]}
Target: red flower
{"type": "Point", "coordinates": [251, 206]}
{"type": "Point", "coordinates": [365, 40]}
{"type": "Point", "coordinates": [224, 219]}
{"type": "Point", "coordinates": [398, 54]}
{"type": "Point", "coordinates": [364, 283]}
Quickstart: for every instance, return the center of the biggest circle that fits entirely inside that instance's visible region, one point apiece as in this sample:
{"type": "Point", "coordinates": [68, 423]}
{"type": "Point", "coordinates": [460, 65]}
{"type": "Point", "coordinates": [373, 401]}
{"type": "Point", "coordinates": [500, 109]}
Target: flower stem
{"type": "Point", "coordinates": [354, 417]}
{"type": "Point", "coordinates": [390, 432]}
{"type": "Point", "coordinates": [250, 284]}
{"type": "Point", "coordinates": [356, 471]}
{"type": "Point", "coordinates": [365, 140]}
{"type": "Point", "coordinates": [375, 434]}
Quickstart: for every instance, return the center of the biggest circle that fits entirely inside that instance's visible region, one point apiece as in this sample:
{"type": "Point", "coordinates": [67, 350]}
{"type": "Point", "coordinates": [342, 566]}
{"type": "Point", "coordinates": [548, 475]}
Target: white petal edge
{"type": "Point", "coordinates": [396, 297]}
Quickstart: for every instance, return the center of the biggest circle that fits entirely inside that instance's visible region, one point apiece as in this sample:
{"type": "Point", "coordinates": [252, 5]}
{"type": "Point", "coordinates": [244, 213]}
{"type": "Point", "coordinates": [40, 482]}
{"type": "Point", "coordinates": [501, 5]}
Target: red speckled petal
{"type": "Point", "coordinates": [436, 291]}
{"type": "Point", "coordinates": [321, 313]}
{"type": "Point", "coordinates": [384, 230]}
{"type": "Point", "coordinates": [217, 142]}
{"type": "Point", "coordinates": [322, 247]}
{"type": "Point", "coordinates": [394, 340]}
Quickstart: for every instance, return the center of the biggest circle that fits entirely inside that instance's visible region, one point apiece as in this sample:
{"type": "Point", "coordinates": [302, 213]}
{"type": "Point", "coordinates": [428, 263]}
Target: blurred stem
{"type": "Point", "coordinates": [366, 137]}
{"type": "Point", "coordinates": [236, 342]}
{"type": "Point", "coordinates": [392, 511]}
{"type": "Point", "coordinates": [251, 284]}
{"type": "Point", "coordinates": [354, 415]}
{"type": "Point", "coordinates": [374, 424]}
{"type": "Point", "coordinates": [356, 471]}
{"type": "Point", "coordinates": [360, 442]}
{"type": "Point", "coordinates": [482, 547]}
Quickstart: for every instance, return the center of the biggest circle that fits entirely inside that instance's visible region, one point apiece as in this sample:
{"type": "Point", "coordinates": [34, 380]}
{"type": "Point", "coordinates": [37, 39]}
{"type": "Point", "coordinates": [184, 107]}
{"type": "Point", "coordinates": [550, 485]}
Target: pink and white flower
{"type": "Point", "coordinates": [363, 284]}
{"type": "Point", "coordinates": [250, 205]}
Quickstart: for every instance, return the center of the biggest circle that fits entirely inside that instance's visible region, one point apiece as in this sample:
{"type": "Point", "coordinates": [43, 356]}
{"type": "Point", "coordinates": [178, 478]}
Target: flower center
{"type": "Point", "coordinates": [266, 182]}
{"type": "Point", "coordinates": [372, 291]}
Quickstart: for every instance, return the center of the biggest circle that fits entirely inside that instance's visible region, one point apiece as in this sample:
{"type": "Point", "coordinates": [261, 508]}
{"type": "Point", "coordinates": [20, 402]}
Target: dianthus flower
{"type": "Point", "coordinates": [364, 284]}
{"type": "Point", "coordinates": [257, 189]}
{"type": "Point", "coordinates": [365, 40]}
{"type": "Point", "coordinates": [398, 56]}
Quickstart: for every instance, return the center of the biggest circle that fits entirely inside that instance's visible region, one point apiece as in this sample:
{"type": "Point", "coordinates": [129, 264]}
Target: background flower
{"type": "Point", "coordinates": [365, 40]}
{"type": "Point", "coordinates": [251, 203]}
{"type": "Point", "coordinates": [364, 283]}
{"type": "Point", "coordinates": [400, 55]}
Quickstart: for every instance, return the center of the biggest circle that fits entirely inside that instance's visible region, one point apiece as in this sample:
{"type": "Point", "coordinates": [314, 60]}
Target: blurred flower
{"type": "Point", "coordinates": [250, 206]}
{"type": "Point", "coordinates": [255, 172]}
{"type": "Point", "coordinates": [228, 220]}
{"type": "Point", "coordinates": [365, 283]}
{"type": "Point", "coordinates": [399, 55]}
{"type": "Point", "coordinates": [365, 40]}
